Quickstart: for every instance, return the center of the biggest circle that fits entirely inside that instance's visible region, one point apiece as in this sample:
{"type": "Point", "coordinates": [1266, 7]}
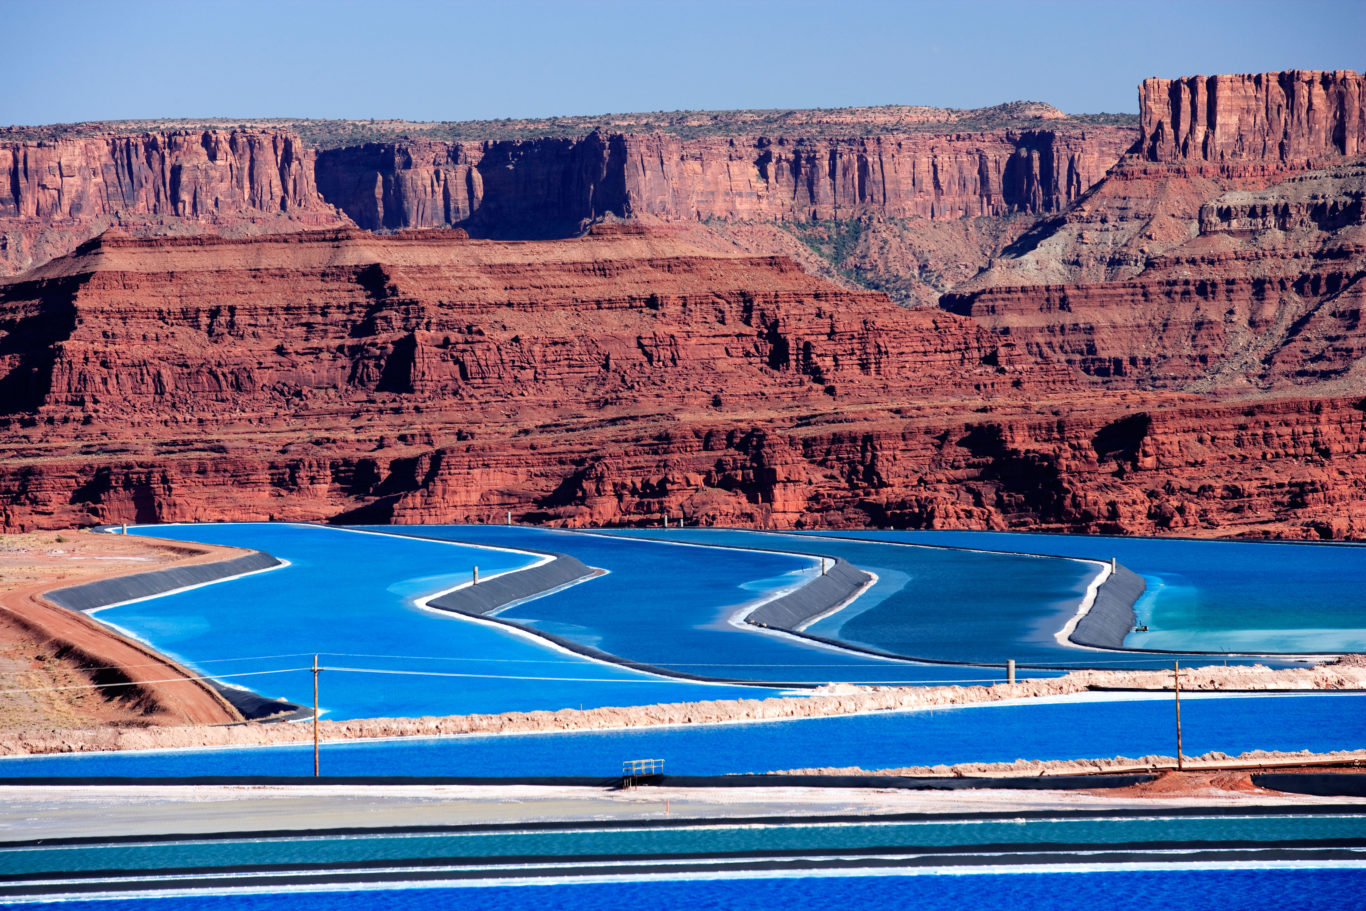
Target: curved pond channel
{"type": "Point", "coordinates": [1211, 596]}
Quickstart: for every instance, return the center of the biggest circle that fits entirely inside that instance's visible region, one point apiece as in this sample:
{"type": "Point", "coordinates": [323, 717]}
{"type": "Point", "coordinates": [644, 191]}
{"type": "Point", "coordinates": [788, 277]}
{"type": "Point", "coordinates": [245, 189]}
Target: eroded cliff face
{"type": "Point", "coordinates": [1201, 138]}
{"type": "Point", "coordinates": [1292, 120]}
{"type": "Point", "coordinates": [1259, 287]}
{"type": "Point", "coordinates": [55, 195]}
{"type": "Point", "coordinates": [502, 188]}
{"type": "Point", "coordinates": [301, 351]}
{"type": "Point", "coordinates": [1179, 349]}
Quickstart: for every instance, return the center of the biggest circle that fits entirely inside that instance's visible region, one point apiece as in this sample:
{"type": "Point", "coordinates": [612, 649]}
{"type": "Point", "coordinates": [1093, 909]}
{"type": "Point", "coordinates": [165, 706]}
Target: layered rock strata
{"type": "Point", "coordinates": [1200, 138]}
{"type": "Point", "coordinates": [57, 194]}
{"type": "Point", "coordinates": [547, 186]}
{"type": "Point", "coordinates": [1294, 120]}
{"type": "Point", "coordinates": [1227, 254]}
{"type": "Point", "coordinates": [614, 378]}
{"type": "Point", "coordinates": [1177, 351]}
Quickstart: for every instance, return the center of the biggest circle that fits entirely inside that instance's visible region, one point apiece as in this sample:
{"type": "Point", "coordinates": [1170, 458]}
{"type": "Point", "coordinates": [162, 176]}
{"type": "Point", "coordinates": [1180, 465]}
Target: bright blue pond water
{"type": "Point", "coordinates": [948, 603]}
{"type": "Point", "coordinates": [986, 733]}
{"type": "Point", "coordinates": [670, 605]}
{"type": "Point", "coordinates": [1189, 890]}
{"type": "Point", "coordinates": [349, 596]}
{"type": "Point", "coordinates": [376, 848]}
{"type": "Point", "coordinates": [941, 604]}
{"type": "Point", "coordinates": [1214, 595]}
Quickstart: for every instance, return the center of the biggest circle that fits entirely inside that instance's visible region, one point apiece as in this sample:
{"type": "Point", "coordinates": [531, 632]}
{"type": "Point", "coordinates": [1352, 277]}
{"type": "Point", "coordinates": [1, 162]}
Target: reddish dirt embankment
{"type": "Point", "coordinates": [59, 668]}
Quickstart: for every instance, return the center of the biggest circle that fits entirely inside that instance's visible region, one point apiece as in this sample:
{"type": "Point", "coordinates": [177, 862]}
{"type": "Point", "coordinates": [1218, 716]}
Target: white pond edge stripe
{"type": "Point", "coordinates": [1064, 635]}
{"type": "Point", "coordinates": [541, 559]}
{"type": "Point", "coordinates": [738, 618]}
{"type": "Point", "coordinates": [871, 581]}
{"type": "Point", "coordinates": [423, 603]}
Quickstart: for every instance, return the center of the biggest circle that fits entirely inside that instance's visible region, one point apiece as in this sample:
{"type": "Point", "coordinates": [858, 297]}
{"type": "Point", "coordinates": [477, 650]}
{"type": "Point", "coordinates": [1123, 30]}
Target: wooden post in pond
{"type": "Point", "coordinates": [476, 576]}
{"type": "Point", "coordinates": [509, 517]}
{"type": "Point", "coordinates": [316, 670]}
{"type": "Point", "coordinates": [1176, 676]}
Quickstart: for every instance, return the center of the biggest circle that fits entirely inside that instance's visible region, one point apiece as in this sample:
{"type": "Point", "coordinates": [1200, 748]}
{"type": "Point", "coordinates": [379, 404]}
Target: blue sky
{"type": "Point", "coordinates": [67, 60]}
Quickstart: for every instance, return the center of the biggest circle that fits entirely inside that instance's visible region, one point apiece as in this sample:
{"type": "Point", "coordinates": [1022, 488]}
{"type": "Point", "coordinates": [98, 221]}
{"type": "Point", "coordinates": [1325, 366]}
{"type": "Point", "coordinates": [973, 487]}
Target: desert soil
{"type": "Point", "coordinates": [60, 669]}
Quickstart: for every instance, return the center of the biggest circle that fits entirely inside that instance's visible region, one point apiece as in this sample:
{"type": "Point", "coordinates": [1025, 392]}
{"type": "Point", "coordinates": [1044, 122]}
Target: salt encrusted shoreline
{"type": "Point", "coordinates": [829, 701]}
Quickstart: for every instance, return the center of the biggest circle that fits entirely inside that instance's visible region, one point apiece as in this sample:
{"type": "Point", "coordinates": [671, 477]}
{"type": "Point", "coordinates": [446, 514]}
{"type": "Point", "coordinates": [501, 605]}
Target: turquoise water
{"type": "Point", "coordinates": [1143, 890]}
{"type": "Point", "coordinates": [985, 733]}
{"type": "Point", "coordinates": [670, 605]}
{"type": "Point", "coordinates": [1213, 595]}
{"type": "Point", "coordinates": [713, 838]}
{"type": "Point", "coordinates": [349, 596]}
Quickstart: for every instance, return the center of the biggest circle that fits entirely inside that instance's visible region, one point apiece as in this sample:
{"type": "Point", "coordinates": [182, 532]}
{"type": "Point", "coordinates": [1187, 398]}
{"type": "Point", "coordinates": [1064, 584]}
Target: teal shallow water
{"type": "Point", "coordinates": [721, 837]}
{"type": "Point", "coordinates": [940, 604]}
{"type": "Point", "coordinates": [1213, 595]}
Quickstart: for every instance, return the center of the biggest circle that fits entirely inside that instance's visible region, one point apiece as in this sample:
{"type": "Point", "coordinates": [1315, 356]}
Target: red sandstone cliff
{"type": "Point", "coordinates": [56, 194]}
{"type": "Point", "coordinates": [1297, 119]}
{"type": "Point", "coordinates": [1201, 137]}
{"type": "Point", "coordinates": [1178, 350]}
{"type": "Point", "coordinates": [428, 377]}
{"type": "Point", "coordinates": [1237, 235]}
{"type": "Point", "coordinates": [504, 187]}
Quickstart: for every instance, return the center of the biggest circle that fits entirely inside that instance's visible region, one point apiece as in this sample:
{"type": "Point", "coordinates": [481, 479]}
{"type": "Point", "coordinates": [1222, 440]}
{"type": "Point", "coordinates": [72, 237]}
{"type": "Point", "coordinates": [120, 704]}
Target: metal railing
{"type": "Point", "coordinates": [633, 769]}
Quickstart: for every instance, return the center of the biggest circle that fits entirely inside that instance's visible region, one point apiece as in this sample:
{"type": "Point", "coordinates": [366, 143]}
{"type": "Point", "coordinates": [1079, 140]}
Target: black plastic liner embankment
{"type": "Point", "coordinates": [93, 595]}
{"type": "Point", "coordinates": [494, 594]}
{"type": "Point", "coordinates": [1318, 784]}
{"type": "Point", "coordinates": [1112, 617]}
{"type": "Point", "coordinates": [571, 570]}
{"type": "Point", "coordinates": [834, 586]}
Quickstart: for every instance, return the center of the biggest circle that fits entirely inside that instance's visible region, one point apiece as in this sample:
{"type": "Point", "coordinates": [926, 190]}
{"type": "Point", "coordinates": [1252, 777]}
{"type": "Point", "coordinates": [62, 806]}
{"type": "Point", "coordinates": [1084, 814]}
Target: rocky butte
{"type": "Point", "coordinates": [1136, 327]}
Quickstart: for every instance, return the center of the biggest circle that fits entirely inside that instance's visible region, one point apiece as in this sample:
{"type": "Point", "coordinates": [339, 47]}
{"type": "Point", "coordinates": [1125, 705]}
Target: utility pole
{"type": "Point", "coordinates": [316, 671]}
{"type": "Point", "coordinates": [1176, 676]}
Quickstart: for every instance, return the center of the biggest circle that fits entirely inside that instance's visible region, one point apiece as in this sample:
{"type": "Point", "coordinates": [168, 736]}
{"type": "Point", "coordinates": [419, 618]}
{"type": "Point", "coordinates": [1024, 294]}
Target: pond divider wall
{"type": "Point", "coordinates": [838, 584]}
{"type": "Point", "coordinates": [1112, 616]}
{"type": "Point", "coordinates": [494, 594]}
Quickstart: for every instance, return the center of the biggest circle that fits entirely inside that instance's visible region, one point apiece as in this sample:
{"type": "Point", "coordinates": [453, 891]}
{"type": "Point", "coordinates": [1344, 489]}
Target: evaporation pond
{"type": "Point", "coordinates": [348, 596]}
{"type": "Point", "coordinates": [1219, 596]}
